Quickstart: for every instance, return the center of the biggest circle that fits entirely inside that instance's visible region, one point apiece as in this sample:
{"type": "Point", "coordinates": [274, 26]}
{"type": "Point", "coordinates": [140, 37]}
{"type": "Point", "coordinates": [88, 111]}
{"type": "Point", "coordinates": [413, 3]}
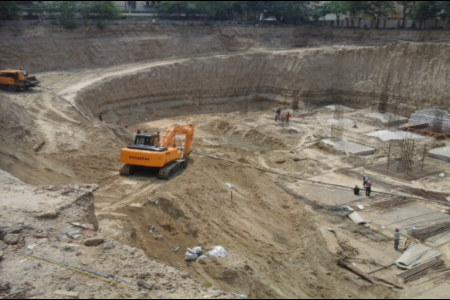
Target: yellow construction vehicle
{"type": "Point", "coordinates": [16, 80]}
{"type": "Point", "coordinates": [166, 153]}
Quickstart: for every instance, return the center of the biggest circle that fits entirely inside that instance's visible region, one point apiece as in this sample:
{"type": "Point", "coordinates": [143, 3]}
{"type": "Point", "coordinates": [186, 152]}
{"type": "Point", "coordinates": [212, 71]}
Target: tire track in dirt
{"type": "Point", "coordinates": [125, 191]}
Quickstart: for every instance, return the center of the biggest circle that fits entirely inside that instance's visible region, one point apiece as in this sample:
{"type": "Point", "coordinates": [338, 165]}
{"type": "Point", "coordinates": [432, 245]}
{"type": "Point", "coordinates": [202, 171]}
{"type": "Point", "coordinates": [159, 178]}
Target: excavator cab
{"type": "Point", "coordinates": [147, 139]}
{"type": "Point", "coordinates": [147, 142]}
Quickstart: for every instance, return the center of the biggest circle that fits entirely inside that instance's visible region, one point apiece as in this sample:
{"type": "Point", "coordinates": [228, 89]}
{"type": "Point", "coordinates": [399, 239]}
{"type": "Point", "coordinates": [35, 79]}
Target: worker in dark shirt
{"type": "Point", "coordinates": [356, 190]}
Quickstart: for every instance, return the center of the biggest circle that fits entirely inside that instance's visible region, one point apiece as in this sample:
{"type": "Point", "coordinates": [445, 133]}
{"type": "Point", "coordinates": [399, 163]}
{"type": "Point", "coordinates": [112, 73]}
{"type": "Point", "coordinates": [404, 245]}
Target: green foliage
{"type": "Point", "coordinates": [186, 8]}
{"type": "Point", "coordinates": [378, 9]}
{"type": "Point", "coordinates": [67, 12]}
{"type": "Point", "coordinates": [98, 9]}
{"type": "Point", "coordinates": [287, 10]}
{"type": "Point", "coordinates": [425, 10]}
{"type": "Point", "coordinates": [226, 10]}
{"type": "Point", "coordinates": [101, 24]}
{"type": "Point", "coordinates": [330, 7]}
{"type": "Point", "coordinates": [9, 10]}
{"type": "Point", "coordinates": [35, 11]}
{"type": "Point", "coordinates": [407, 9]}
{"type": "Point", "coordinates": [104, 9]}
{"type": "Point", "coordinates": [353, 8]}
{"type": "Point", "coordinates": [444, 7]}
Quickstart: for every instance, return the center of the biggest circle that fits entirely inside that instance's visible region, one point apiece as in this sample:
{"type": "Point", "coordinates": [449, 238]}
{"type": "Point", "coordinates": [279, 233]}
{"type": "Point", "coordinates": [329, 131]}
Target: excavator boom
{"type": "Point", "coordinates": [169, 135]}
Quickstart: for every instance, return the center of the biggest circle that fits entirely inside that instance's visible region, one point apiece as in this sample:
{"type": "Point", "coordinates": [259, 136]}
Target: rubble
{"type": "Point", "coordinates": [66, 294]}
{"type": "Point", "coordinates": [92, 242]}
{"type": "Point", "coordinates": [11, 239]}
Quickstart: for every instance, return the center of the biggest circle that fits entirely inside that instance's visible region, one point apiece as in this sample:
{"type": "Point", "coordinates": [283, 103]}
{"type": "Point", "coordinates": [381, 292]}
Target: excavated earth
{"type": "Point", "coordinates": [227, 81]}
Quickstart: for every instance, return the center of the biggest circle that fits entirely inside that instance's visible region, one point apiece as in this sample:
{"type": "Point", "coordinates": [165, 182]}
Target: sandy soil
{"type": "Point", "coordinates": [279, 247]}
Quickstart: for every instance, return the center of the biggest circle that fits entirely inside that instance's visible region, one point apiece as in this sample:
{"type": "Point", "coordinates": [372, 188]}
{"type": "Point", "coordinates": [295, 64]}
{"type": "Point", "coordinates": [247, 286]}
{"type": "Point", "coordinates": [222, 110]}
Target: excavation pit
{"type": "Point", "coordinates": [227, 81]}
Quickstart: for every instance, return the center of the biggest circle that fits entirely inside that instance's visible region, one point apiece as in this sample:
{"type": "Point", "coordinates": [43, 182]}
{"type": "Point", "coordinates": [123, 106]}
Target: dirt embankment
{"type": "Point", "coordinates": [89, 47]}
{"type": "Point", "coordinates": [412, 75]}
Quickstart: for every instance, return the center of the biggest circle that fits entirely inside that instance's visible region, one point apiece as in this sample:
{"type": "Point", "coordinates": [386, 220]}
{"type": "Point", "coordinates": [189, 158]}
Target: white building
{"type": "Point", "coordinates": [137, 6]}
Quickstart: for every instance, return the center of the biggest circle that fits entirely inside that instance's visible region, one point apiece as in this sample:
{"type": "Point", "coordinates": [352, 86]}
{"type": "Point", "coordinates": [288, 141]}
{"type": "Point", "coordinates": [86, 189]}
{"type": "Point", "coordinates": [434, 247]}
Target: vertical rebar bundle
{"type": "Point", "coordinates": [339, 112]}
{"type": "Point", "coordinates": [393, 118]}
{"type": "Point", "coordinates": [337, 131]}
{"type": "Point", "coordinates": [406, 155]}
{"type": "Point", "coordinates": [384, 97]}
{"type": "Point", "coordinates": [295, 102]}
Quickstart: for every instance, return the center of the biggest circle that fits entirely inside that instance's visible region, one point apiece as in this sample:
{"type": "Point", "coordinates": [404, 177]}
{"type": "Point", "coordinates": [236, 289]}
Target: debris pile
{"type": "Point", "coordinates": [416, 255]}
{"type": "Point", "coordinates": [422, 270]}
{"type": "Point", "coordinates": [387, 205]}
{"type": "Point", "coordinates": [428, 232]}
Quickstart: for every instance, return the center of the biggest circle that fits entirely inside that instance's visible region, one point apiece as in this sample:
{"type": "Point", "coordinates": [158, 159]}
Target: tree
{"type": "Point", "coordinates": [444, 7]}
{"type": "Point", "coordinates": [104, 9]}
{"type": "Point", "coordinates": [9, 10]}
{"type": "Point", "coordinates": [407, 9]}
{"type": "Point", "coordinates": [253, 8]}
{"type": "Point", "coordinates": [330, 7]}
{"type": "Point", "coordinates": [287, 10]}
{"type": "Point", "coordinates": [217, 10]}
{"type": "Point", "coordinates": [67, 12]}
{"type": "Point", "coordinates": [186, 8]}
{"type": "Point", "coordinates": [353, 8]}
{"type": "Point", "coordinates": [424, 11]}
{"type": "Point", "coordinates": [378, 9]}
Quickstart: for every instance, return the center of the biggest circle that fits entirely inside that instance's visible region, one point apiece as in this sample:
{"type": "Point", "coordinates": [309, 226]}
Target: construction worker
{"type": "Point", "coordinates": [368, 188]}
{"type": "Point", "coordinates": [23, 72]}
{"type": "Point", "coordinates": [397, 234]}
{"type": "Point", "coordinates": [278, 112]}
{"type": "Point", "coordinates": [356, 190]}
{"type": "Point", "coordinates": [365, 179]}
{"type": "Point", "coordinates": [288, 115]}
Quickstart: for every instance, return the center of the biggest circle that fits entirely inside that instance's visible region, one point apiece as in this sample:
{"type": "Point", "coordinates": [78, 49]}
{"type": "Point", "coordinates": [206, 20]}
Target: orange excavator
{"type": "Point", "coordinates": [151, 150]}
{"type": "Point", "coordinates": [16, 80]}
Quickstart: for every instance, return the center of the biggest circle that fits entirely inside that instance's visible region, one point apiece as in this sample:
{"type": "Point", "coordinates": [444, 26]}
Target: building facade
{"type": "Point", "coordinates": [137, 6]}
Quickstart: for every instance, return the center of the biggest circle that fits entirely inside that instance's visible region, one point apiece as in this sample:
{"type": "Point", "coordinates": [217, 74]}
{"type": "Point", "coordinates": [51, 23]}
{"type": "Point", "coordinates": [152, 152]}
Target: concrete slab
{"type": "Point", "coordinates": [326, 195]}
{"type": "Point", "coordinates": [329, 122]}
{"type": "Point", "coordinates": [349, 147]}
{"type": "Point", "coordinates": [386, 117]}
{"type": "Point", "coordinates": [414, 215]}
{"type": "Point", "coordinates": [437, 292]}
{"type": "Point", "coordinates": [387, 135]}
{"type": "Point", "coordinates": [333, 107]}
{"type": "Point", "coordinates": [442, 153]}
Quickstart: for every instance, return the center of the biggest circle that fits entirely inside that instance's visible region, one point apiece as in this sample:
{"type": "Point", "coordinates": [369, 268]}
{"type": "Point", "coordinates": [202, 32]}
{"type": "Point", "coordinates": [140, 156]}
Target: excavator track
{"type": "Point", "coordinates": [171, 169]}
{"type": "Point", "coordinates": [125, 170]}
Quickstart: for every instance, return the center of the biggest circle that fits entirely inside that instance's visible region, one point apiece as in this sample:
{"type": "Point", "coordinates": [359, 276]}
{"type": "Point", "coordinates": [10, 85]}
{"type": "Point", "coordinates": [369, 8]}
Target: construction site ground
{"type": "Point", "coordinates": [60, 166]}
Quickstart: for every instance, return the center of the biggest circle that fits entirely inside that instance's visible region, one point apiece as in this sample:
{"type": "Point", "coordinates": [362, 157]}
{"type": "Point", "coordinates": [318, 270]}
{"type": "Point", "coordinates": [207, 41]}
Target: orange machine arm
{"type": "Point", "coordinates": [169, 135]}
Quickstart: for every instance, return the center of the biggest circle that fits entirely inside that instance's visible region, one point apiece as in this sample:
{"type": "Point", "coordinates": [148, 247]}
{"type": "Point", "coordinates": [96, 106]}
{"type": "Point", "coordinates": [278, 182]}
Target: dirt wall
{"type": "Point", "coordinates": [413, 75]}
{"type": "Point", "coordinates": [46, 48]}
